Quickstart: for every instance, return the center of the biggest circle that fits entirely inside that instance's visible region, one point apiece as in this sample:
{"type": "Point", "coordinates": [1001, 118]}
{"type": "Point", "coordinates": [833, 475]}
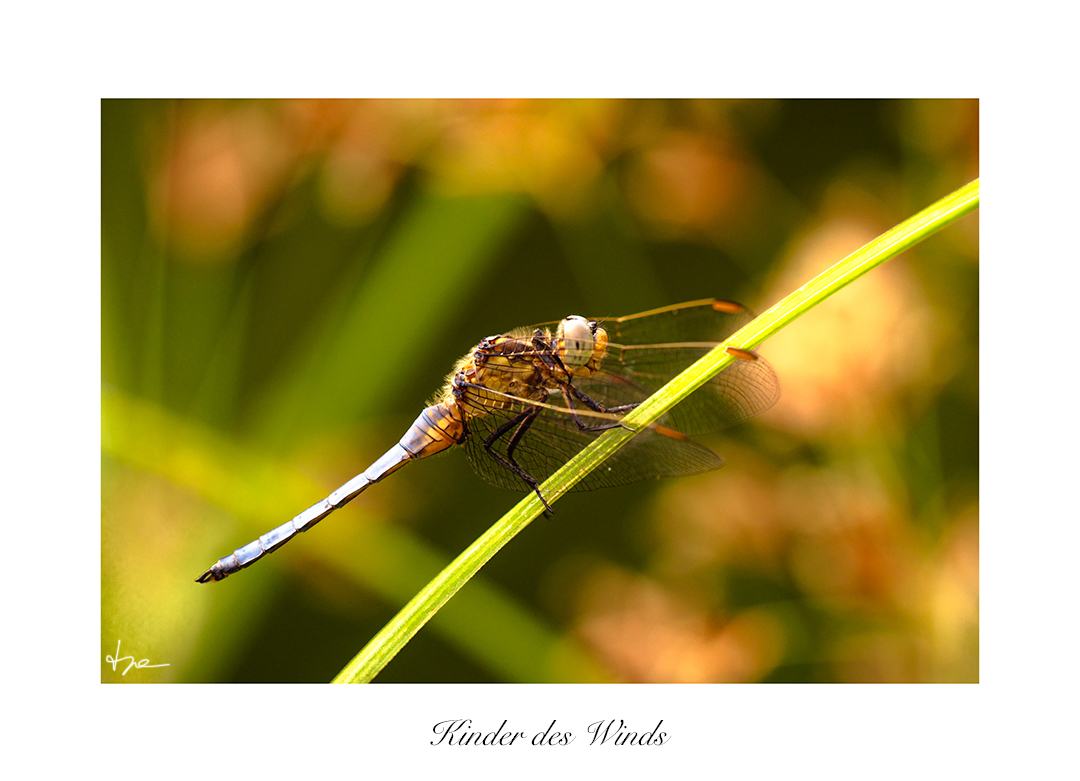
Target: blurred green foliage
{"type": "Point", "coordinates": [285, 284]}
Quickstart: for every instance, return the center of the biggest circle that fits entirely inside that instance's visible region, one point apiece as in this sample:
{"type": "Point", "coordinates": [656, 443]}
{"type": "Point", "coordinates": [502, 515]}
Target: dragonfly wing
{"type": "Point", "coordinates": [648, 349]}
{"type": "Point", "coordinates": [707, 320]}
{"type": "Point", "coordinates": [553, 438]}
{"type": "Point", "coordinates": [632, 373]}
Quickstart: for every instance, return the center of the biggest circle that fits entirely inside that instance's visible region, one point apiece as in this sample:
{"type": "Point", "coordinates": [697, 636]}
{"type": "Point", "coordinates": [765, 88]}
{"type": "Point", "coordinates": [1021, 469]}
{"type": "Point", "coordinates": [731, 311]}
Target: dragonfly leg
{"type": "Point", "coordinates": [521, 421]}
{"type": "Point", "coordinates": [547, 354]}
{"type": "Point", "coordinates": [569, 390]}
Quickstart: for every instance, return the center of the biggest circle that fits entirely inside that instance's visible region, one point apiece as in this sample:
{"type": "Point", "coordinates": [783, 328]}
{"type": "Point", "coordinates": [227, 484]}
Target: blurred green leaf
{"type": "Point", "coordinates": [373, 334]}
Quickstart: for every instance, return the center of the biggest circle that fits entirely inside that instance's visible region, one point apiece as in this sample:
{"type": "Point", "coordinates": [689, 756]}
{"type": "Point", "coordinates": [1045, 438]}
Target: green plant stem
{"type": "Point", "coordinates": [385, 645]}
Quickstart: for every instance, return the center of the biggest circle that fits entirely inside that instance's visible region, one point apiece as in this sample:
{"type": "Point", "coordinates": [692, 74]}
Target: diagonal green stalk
{"type": "Point", "coordinates": [385, 645]}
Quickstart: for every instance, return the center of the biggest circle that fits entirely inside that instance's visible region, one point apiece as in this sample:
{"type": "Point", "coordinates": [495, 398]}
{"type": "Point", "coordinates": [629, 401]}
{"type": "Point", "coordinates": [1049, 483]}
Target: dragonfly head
{"type": "Point", "coordinates": [582, 344]}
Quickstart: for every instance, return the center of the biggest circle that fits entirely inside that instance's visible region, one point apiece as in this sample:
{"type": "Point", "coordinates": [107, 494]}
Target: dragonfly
{"type": "Point", "coordinates": [522, 403]}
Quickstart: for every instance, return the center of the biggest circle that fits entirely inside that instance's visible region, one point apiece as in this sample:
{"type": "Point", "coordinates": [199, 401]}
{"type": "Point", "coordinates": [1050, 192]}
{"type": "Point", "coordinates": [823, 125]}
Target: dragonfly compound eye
{"type": "Point", "coordinates": [575, 341]}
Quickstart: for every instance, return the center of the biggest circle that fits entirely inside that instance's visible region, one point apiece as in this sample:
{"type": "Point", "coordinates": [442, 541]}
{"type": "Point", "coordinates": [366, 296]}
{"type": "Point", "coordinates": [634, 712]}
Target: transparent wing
{"type": "Point", "coordinates": [553, 438]}
{"type": "Point", "coordinates": [650, 348]}
{"type": "Point", "coordinates": [707, 320]}
{"type": "Point", "coordinates": [630, 374]}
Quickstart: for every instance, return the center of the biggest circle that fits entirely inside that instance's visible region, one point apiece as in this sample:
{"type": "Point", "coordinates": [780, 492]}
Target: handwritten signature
{"type": "Point", "coordinates": [115, 660]}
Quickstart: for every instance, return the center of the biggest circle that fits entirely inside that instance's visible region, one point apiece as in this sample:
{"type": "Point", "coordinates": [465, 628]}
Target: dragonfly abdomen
{"type": "Point", "coordinates": [437, 428]}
